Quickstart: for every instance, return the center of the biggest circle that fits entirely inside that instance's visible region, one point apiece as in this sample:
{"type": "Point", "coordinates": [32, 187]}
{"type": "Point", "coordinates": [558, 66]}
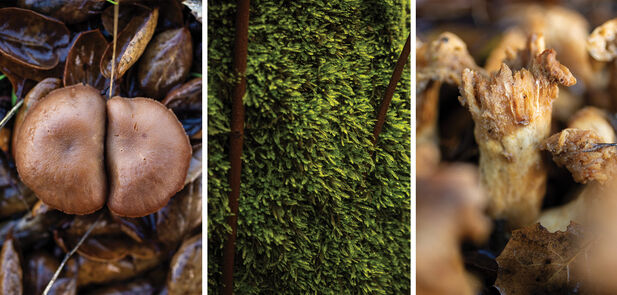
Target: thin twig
{"type": "Point", "coordinates": [387, 98]}
{"type": "Point", "coordinates": [113, 50]}
{"type": "Point", "coordinates": [68, 255]}
{"type": "Point", "coordinates": [236, 140]}
{"type": "Point", "coordinates": [599, 146]}
{"type": "Point", "coordinates": [11, 113]}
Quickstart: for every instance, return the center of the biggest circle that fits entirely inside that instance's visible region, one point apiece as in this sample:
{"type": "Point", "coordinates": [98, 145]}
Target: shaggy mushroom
{"type": "Point", "coordinates": [512, 115]}
{"type": "Point", "coordinates": [59, 150]}
{"type": "Point", "coordinates": [148, 155]}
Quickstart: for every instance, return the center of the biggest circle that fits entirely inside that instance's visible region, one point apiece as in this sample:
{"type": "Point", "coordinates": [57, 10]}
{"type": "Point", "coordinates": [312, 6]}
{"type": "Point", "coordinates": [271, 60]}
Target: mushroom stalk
{"type": "Point", "coordinates": [584, 150]}
{"type": "Point", "coordinates": [236, 140]}
{"type": "Point", "coordinates": [512, 115]}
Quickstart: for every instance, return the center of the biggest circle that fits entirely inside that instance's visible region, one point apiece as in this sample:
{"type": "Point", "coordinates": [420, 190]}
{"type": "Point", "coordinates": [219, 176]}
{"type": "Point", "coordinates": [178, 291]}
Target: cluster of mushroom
{"type": "Point", "coordinates": [77, 152]}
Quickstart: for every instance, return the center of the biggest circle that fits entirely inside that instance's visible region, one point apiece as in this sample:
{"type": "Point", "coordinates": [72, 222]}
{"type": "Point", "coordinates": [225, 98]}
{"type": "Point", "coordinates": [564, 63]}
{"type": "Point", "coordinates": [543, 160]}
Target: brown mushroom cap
{"type": "Point", "coordinates": [59, 150]}
{"type": "Point", "coordinates": [148, 155]}
{"type": "Point", "coordinates": [36, 94]}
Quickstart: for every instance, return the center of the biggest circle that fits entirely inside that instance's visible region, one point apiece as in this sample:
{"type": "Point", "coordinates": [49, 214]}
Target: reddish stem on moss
{"type": "Point", "coordinates": [236, 140]}
{"type": "Point", "coordinates": [387, 98]}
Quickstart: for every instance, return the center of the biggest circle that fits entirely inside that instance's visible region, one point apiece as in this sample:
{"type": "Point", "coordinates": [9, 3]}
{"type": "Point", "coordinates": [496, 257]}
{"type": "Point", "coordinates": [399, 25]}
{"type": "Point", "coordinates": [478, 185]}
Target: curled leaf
{"type": "Point", "coordinates": [32, 39]}
{"type": "Point", "coordinates": [83, 62]}
{"type": "Point", "coordinates": [132, 42]}
{"type": "Point", "coordinates": [185, 102]}
{"type": "Point", "coordinates": [68, 11]}
{"type": "Point", "coordinates": [166, 62]}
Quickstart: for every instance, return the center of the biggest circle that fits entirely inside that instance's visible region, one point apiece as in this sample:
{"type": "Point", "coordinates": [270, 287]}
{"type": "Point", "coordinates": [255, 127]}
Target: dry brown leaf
{"type": "Point", "coordinates": [536, 261]}
{"type": "Point", "coordinates": [132, 42]}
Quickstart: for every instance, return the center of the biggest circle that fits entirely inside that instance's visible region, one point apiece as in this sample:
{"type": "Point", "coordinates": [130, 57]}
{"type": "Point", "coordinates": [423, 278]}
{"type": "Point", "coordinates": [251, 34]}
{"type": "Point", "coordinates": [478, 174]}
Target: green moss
{"type": "Point", "coordinates": [318, 213]}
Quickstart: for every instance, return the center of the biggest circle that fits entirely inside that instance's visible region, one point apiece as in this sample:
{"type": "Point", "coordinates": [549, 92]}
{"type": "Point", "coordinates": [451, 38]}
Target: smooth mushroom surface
{"type": "Point", "coordinates": [35, 95]}
{"type": "Point", "coordinates": [148, 155]}
{"type": "Point", "coordinates": [59, 150]}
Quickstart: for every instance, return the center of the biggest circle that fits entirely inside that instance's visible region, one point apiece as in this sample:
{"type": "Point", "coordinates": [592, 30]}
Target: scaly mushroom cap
{"type": "Point", "coordinates": [59, 150]}
{"type": "Point", "coordinates": [148, 155]}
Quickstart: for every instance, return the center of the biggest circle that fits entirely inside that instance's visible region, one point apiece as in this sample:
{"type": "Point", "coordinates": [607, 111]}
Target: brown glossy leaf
{"type": "Point", "coordinates": [185, 269]}
{"type": "Point", "coordinates": [17, 73]}
{"type": "Point", "coordinates": [15, 197]}
{"type": "Point", "coordinates": [137, 287]}
{"type": "Point", "coordinates": [183, 213]}
{"type": "Point", "coordinates": [125, 14]}
{"type": "Point", "coordinates": [83, 62]}
{"type": "Point", "coordinates": [171, 15]}
{"type": "Point", "coordinates": [68, 11]}
{"type": "Point", "coordinates": [99, 248]}
{"type": "Point", "coordinates": [132, 42]}
{"type": "Point", "coordinates": [536, 261]}
{"type": "Point", "coordinates": [39, 269]}
{"type": "Point", "coordinates": [10, 269]}
{"type": "Point", "coordinates": [166, 62]}
{"type": "Point", "coordinates": [185, 102]}
{"type": "Point", "coordinates": [94, 272]}
{"type": "Point", "coordinates": [31, 228]}
{"type": "Point", "coordinates": [32, 39]}
{"type": "Point", "coordinates": [81, 223]}
{"type": "Point", "coordinates": [34, 95]}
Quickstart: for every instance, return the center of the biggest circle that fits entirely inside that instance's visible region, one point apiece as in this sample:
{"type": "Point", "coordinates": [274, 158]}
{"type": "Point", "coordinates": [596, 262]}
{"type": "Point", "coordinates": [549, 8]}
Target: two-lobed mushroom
{"type": "Point", "coordinates": [77, 152]}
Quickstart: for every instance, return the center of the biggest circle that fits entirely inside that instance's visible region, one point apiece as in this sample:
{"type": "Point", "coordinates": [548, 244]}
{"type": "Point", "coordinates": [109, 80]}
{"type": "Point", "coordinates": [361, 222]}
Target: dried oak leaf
{"type": "Point", "coordinates": [583, 154]}
{"type": "Point", "coordinates": [536, 261]}
{"type": "Point", "coordinates": [450, 210]}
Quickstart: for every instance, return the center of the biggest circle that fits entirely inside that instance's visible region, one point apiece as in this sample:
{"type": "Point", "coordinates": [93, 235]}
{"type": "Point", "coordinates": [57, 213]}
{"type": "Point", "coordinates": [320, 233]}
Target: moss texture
{"type": "Point", "coordinates": [322, 211]}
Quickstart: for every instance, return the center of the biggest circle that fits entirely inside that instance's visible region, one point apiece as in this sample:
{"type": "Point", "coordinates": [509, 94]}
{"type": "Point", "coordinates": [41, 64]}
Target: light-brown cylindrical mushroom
{"type": "Point", "coordinates": [59, 150]}
{"type": "Point", "coordinates": [148, 155]}
{"type": "Point", "coordinates": [512, 115]}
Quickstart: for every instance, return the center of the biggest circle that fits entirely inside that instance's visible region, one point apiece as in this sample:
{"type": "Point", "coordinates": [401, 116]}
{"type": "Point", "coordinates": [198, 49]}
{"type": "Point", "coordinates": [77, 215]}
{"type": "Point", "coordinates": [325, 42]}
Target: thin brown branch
{"type": "Point", "coordinates": [387, 98]}
{"type": "Point", "coordinates": [236, 140]}
{"type": "Point", "coordinates": [113, 51]}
